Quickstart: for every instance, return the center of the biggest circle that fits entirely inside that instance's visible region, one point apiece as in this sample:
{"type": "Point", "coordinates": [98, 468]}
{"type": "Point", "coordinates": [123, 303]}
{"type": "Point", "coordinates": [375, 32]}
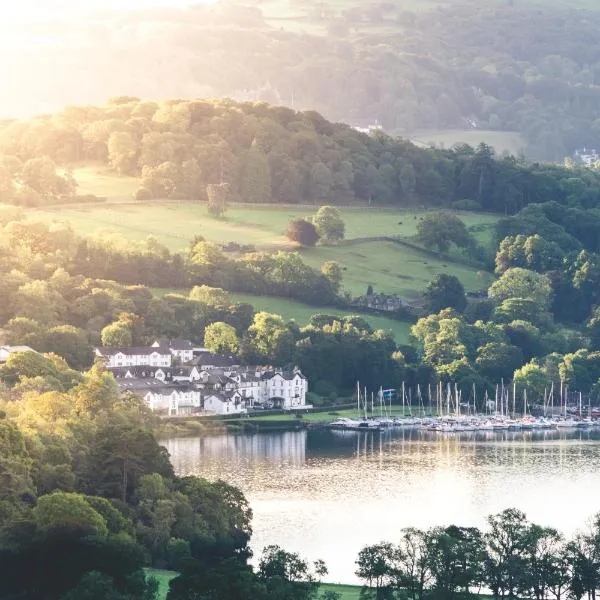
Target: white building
{"type": "Point", "coordinates": [286, 389]}
{"type": "Point", "coordinates": [6, 351]}
{"type": "Point", "coordinates": [173, 401]}
{"type": "Point", "coordinates": [154, 356]}
{"type": "Point", "coordinates": [180, 348]}
{"type": "Point", "coordinates": [225, 403]}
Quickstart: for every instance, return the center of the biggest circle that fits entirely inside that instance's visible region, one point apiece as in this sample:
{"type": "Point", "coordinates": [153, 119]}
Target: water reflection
{"type": "Point", "coordinates": [326, 494]}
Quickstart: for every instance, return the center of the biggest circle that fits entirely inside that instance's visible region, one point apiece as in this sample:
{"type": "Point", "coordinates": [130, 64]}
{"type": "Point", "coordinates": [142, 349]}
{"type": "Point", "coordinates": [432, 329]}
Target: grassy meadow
{"type": "Point", "coordinates": [387, 266]}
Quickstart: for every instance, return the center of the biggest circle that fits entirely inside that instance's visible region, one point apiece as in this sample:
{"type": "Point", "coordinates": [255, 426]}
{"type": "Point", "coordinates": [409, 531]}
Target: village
{"type": "Point", "coordinates": [176, 378]}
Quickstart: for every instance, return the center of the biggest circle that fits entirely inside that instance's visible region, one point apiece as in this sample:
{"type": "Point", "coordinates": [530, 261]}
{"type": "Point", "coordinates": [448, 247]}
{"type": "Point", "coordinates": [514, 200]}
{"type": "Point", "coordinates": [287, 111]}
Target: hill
{"type": "Point", "coordinates": [180, 150]}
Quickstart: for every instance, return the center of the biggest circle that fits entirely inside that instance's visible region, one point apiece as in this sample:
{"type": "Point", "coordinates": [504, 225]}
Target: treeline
{"type": "Point", "coordinates": [512, 558]}
{"type": "Point", "coordinates": [270, 154]}
{"type": "Point", "coordinates": [89, 499]}
{"type": "Point", "coordinates": [509, 66]}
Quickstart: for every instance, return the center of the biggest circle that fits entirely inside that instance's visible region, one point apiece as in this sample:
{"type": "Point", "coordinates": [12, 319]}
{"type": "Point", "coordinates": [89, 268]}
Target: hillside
{"type": "Point", "coordinates": [181, 150]}
{"type": "Point", "coordinates": [524, 66]}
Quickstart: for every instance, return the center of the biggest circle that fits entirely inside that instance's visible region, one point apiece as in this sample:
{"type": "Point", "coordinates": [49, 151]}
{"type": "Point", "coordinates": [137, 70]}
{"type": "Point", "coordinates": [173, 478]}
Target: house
{"type": "Point", "coordinates": [205, 359]}
{"type": "Point", "coordinates": [225, 403]}
{"type": "Point", "coordinates": [6, 351]}
{"type": "Point", "coordinates": [586, 156]}
{"type": "Point", "coordinates": [154, 356]}
{"type": "Point", "coordinates": [174, 400]}
{"type": "Point", "coordinates": [180, 348]}
{"type": "Point", "coordinates": [286, 389]}
{"type": "Point", "coordinates": [142, 372]}
{"type": "Point", "coordinates": [186, 373]}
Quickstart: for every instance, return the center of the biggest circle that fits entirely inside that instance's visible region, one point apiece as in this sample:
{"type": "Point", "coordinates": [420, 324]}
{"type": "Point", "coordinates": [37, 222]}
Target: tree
{"type": "Point", "coordinates": [61, 510]}
{"type": "Point", "coordinates": [255, 182]}
{"type": "Point", "coordinates": [329, 224]}
{"type": "Point", "coordinates": [522, 283]}
{"type": "Point", "coordinates": [320, 184]}
{"type": "Point", "coordinates": [117, 334]}
{"type": "Point", "coordinates": [210, 295]}
{"type": "Point", "coordinates": [218, 197]}
{"type": "Point", "coordinates": [506, 553]}
{"type": "Point", "coordinates": [122, 152]}
{"type": "Point", "coordinates": [445, 291]}
{"type": "Point", "coordinates": [333, 272]}
{"type": "Point", "coordinates": [269, 338]}
{"type": "Point", "coordinates": [303, 232]}
{"type": "Point", "coordinates": [376, 565]}
{"type": "Point", "coordinates": [441, 229]}
{"type": "Point", "coordinates": [287, 575]}
{"type": "Point", "coordinates": [498, 360]}
{"type": "Point", "coordinates": [221, 338]}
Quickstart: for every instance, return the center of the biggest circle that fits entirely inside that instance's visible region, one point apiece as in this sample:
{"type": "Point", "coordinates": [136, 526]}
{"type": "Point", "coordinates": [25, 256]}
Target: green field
{"type": "Point", "coordinates": [387, 266]}
{"type": "Point", "coordinates": [301, 313]}
{"type": "Point", "coordinates": [392, 268]}
{"type": "Point", "coordinates": [163, 578]}
{"type": "Point", "coordinates": [347, 592]}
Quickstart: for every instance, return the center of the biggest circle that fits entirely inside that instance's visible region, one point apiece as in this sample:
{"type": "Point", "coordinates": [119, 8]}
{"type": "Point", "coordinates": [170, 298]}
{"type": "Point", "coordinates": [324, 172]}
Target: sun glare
{"type": "Point", "coordinates": [33, 10]}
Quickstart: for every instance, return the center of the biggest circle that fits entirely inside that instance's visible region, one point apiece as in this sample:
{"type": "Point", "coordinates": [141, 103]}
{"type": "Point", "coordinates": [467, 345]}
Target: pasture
{"type": "Point", "coordinates": [387, 266]}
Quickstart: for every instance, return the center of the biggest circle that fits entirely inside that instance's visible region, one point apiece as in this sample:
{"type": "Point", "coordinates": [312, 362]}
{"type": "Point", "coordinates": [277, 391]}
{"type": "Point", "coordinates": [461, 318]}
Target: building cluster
{"type": "Point", "coordinates": [586, 156]}
{"type": "Point", "coordinates": [175, 378]}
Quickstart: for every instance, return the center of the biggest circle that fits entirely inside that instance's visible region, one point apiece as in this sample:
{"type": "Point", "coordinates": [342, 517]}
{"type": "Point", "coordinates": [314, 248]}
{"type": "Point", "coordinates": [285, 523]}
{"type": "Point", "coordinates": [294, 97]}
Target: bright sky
{"type": "Point", "coordinates": [31, 9]}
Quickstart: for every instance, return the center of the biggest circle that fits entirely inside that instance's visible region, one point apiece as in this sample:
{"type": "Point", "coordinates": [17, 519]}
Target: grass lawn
{"type": "Point", "coordinates": [501, 141]}
{"type": "Point", "coordinates": [389, 267]}
{"type": "Point", "coordinates": [301, 313]}
{"type": "Point", "coordinates": [347, 592]}
{"type": "Point", "coordinates": [174, 224]}
{"type": "Point", "coordinates": [163, 578]}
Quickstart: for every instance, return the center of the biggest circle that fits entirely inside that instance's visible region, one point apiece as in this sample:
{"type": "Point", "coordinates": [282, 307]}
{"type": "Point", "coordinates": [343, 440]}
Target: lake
{"type": "Point", "coordinates": [326, 494]}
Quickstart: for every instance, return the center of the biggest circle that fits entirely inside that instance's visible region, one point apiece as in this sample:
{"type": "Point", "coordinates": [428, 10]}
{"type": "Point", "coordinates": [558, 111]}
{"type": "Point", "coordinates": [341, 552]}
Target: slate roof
{"type": "Point", "coordinates": [132, 350]}
{"type": "Point", "coordinates": [139, 371]}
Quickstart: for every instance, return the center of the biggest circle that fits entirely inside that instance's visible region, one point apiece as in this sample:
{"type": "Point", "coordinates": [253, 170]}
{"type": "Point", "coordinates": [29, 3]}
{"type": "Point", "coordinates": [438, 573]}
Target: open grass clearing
{"type": "Point", "coordinates": [501, 141]}
{"type": "Point", "coordinates": [392, 268]}
{"type": "Point", "coordinates": [163, 577]}
{"type": "Point", "coordinates": [301, 313]}
{"type": "Point", "coordinates": [174, 224]}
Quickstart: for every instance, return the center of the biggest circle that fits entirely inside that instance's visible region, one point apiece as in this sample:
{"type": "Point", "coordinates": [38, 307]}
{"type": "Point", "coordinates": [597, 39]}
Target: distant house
{"type": "Point", "coordinates": [285, 389]}
{"type": "Point", "coordinates": [586, 156]}
{"type": "Point", "coordinates": [6, 351]}
{"type": "Point", "coordinates": [174, 401]}
{"type": "Point", "coordinates": [225, 403]}
{"type": "Point", "coordinates": [143, 372]}
{"type": "Point", "coordinates": [205, 359]}
{"type": "Point", "coordinates": [180, 348]}
{"type": "Point", "coordinates": [154, 356]}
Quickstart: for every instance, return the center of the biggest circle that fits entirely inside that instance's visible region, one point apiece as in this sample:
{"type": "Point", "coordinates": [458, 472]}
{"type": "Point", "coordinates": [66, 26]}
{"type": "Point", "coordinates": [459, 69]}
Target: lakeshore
{"type": "Point", "coordinates": [326, 494]}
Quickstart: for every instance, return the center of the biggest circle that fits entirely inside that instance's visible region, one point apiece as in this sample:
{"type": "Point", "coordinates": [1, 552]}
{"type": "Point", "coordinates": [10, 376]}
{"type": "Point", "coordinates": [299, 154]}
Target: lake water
{"type": "Point", "coordinates": [326, 494]}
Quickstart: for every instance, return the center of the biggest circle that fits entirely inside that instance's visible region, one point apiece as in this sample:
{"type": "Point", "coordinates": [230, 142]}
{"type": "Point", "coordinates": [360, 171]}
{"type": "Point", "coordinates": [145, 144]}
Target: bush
{"type": "Point", "coordinates": [466, 204]}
